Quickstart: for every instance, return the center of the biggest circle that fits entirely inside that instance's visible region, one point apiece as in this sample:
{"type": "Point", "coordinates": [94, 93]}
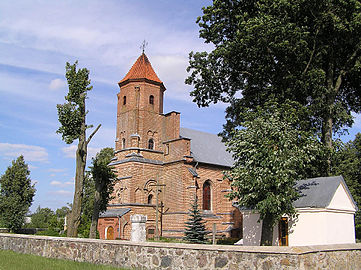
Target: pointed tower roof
{"type": "Point", "coordinates": [142, 70]}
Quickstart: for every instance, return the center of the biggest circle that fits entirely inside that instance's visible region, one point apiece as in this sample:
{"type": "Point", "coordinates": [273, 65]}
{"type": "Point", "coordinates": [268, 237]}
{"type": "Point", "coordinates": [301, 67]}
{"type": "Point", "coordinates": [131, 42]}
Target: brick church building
{"type": "Point", "coordinates": [158, 161]}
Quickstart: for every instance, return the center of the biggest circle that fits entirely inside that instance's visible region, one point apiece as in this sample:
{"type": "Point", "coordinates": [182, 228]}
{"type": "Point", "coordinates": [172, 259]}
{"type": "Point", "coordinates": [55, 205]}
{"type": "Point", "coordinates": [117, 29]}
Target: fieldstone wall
{"type": "Point", "coordinates": [183, 256]}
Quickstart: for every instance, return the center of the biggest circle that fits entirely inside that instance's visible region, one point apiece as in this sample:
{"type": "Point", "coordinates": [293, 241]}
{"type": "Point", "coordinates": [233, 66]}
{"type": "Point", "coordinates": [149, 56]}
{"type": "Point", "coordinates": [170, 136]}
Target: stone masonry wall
{"type": "Point", "coordinates": [185, 256]}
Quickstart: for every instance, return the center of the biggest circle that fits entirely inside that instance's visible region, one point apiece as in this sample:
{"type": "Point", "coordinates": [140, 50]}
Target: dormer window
{"type": "Point", "coordinates": [151, 144]}
{"type": "Point", "coordinates": [124, 100]}
{"type": "Point", "coordinates": [151, 99]}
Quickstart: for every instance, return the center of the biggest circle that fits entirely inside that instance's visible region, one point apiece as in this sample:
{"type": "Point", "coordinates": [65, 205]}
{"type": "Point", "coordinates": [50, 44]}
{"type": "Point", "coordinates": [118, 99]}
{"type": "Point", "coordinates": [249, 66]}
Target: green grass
{"type": "Point", "coordinates": [10, 260]}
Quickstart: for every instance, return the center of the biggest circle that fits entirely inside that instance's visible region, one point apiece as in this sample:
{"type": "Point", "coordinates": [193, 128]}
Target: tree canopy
{"type": "Point", "coordinates": [103, 177]}
{"type": "Point", "coordinates": [72, 117]}
{"type": "Point", "coordinates": [41, 218]}
{"type": "Point", "coordinates": [271, 153]}
{"type": "Point", "coordinates": [305, 51]}
{"type": "Point", "coordinates": [16, 194]}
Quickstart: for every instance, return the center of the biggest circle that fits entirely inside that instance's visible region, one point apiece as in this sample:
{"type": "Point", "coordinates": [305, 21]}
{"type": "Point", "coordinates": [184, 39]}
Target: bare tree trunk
{"type": "Point", "coordinates": [81, 155]}
{"type": "Point", "coordinates": [327, 131]}
{"type": "Point", "coordinates": [96, 210]}
{"type": "Point", "coordinates": [267, 232]}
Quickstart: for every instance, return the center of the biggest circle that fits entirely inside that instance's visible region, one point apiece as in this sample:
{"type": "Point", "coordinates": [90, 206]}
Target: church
{"type": "Point", "coordinates": [161, 167]}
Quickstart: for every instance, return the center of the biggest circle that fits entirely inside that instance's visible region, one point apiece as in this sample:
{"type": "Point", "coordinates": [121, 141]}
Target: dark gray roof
{"type": "Point", "coordinates": [118, 212]}
{"type": "Point", "coordinates": [318, 192]}
{"type": "Point", "coordinates": [315, 192]}
{"type": "Point", "coordinates": [136, 159]}
{"type": "Point", "coordinates": [207, 148]}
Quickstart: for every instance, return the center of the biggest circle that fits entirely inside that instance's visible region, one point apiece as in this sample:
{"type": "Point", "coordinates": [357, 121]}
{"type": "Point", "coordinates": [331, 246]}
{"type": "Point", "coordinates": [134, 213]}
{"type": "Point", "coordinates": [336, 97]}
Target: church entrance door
{"type": "Point", "coordinates": [110, 233]}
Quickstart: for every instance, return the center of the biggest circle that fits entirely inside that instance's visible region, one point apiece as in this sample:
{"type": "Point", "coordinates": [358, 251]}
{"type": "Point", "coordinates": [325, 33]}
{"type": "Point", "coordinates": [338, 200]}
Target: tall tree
{"type": "Point", "coordinates": [271, 153]}
{"type": "Point", "coordinates": [72, 117]}
{"type": "Point", "coordinates": [195, 230]}
{"type": "Point", "coordinates": [306, 51]}
{"type": "Point", "coordinates": [16, 194]}
{"type": "Point", "coordinates": [103, 177]}
{"type": "Point", "coordinates": [86, 206]}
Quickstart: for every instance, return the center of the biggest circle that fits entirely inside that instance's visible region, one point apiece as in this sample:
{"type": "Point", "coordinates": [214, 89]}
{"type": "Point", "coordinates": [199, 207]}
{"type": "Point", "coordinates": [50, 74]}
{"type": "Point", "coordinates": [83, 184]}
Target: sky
{"type": "Point", "coordinates": [38, 37]}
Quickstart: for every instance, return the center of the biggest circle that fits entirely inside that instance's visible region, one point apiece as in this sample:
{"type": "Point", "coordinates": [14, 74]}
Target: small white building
{"type": "Point", "coordinates": [325, 210]}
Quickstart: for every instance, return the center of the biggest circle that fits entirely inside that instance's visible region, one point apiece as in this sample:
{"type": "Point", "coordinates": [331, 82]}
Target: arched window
{"type": "Point", "coordinates": [207, 195]}
{"type": "Point", "coordinates": [124, 100]}
{"type": "Point", "coordinates": [151, 144]}
{"type": "Point", "coordinates": [150, 198]}
{"type": "Point", "coordinates": [123, 143]}
{"type": "Point", "coordinates": [151, 99]}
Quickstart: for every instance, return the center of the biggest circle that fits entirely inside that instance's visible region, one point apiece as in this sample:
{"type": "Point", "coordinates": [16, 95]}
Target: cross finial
{"type": "Point", "coordinates": [144, 44]}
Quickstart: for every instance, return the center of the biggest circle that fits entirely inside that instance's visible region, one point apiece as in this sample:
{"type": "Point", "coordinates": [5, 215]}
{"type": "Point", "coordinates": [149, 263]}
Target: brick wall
{"type": "Point", "coordinates": [185, 256]}
{"type": "Point", "coordinates": [168, 162]}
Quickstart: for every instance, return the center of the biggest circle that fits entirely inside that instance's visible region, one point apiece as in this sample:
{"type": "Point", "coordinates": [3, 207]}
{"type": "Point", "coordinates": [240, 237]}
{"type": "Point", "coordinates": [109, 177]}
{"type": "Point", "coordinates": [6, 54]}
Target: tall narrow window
{"type": "Point", "coordinates": [123, 143]}
{"type": "Point", "coordinates": [151, 99]}
{"type": "Point", "coordinates": [150, 199]}
{"type": "Point", "coordinates": [124, 100]}
{"type": "Point", "coordinates": [151, 144]}
{"type": "Point", "coordinates": [283, 232]}
{"type": "Point", "coordinates": [207, 195]}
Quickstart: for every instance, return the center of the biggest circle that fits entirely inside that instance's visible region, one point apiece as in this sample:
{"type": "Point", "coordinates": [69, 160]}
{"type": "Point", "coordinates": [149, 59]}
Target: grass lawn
{"type": "Point", "coordinates": [10, 260]}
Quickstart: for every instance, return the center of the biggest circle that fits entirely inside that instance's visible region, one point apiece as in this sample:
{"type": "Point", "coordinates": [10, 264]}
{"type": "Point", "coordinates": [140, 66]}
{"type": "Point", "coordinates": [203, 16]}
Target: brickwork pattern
{"type": "Point", "coordinates": [138, 121]}
{"type": "Point", "coordinates": [186, 256]}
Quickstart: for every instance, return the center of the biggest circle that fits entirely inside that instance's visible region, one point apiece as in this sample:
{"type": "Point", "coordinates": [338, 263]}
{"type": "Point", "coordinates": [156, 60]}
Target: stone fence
{"type": "Point", "coordinates": [151, 255]}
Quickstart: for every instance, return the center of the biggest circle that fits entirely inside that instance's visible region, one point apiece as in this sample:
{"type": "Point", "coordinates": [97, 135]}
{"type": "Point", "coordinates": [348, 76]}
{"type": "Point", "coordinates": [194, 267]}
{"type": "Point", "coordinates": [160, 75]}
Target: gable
{"type": "Point", "coordinates": [324, 192]}
{"type": "Point", "coordinates": [341, 200]}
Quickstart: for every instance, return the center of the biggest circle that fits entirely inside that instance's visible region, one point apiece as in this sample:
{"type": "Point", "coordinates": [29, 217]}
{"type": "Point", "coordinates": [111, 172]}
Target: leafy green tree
{"type": "Point", "coordinates": [41, 218]}
{"type": "Point", "coordinates": [16, 194]}
{"type": "Point", "coordinates": [72, 117]}
{"type": "Point", "coordinates": [195, 231]}
{"type": "Point", "coordinates": [63, 211]}
{"type": "Point", "coordinates": [305, 51]}
{"type": "Point", "coordinates": [271, 153]}
{"type": "Point", "coordinates": [87, 206]}
{"type": "Point", "coordinates": [103, 177]}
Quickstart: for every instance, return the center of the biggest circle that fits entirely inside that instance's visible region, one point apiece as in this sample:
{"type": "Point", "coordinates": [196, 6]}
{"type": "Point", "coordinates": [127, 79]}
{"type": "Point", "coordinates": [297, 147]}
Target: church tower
{"type": "Point", "coordinates": [156, 166]}
{"type": "Point", "coordinates": [140, 104]}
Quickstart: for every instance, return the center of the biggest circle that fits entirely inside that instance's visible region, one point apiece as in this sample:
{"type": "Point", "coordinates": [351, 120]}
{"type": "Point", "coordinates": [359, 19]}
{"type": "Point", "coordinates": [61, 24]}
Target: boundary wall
{"type": "Point", "coordinates": [151, 255]}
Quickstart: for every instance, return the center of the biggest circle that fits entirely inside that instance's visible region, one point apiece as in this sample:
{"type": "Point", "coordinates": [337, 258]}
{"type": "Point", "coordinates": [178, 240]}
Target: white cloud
{"type": "Point", "coordinates": [55, 183]}
{"type": "Point", "coordinates": [31, 167]}
{"type": "Point", "coordinates": [61, 184]}
{"type": "Point", "coordinates": [70, 151]}
{"type": "Point", "coordinates": [30, 152]}
{"type": "Point", "coordinates": [57, 84]}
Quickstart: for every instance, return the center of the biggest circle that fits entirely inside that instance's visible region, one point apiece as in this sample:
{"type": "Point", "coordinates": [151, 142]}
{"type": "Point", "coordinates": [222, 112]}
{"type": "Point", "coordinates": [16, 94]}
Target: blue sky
{"type": "Point", "coordinates": [38, 37]}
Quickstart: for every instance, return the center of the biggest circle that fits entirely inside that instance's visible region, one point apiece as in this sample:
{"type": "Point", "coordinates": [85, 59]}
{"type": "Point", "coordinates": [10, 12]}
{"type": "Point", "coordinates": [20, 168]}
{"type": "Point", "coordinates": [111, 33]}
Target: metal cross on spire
{"type": "Point", "coordinates": [144, 44]}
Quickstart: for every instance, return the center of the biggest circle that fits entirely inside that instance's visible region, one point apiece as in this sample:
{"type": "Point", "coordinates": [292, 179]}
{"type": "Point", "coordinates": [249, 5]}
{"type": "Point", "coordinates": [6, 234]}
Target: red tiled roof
{"type": "Point", "coordinates": [141, 69]}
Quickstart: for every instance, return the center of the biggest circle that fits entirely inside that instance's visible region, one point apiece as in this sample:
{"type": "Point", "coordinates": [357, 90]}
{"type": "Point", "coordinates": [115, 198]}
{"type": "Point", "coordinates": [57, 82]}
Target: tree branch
{"type": "Point", "coordinates": [312, 53]}
{"type": "Point", "coordinates": [93, 133]}
{"type": "Point", "coordinates": [344, 70]}
{"type": "Point", "coordinates": [353, 56]}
